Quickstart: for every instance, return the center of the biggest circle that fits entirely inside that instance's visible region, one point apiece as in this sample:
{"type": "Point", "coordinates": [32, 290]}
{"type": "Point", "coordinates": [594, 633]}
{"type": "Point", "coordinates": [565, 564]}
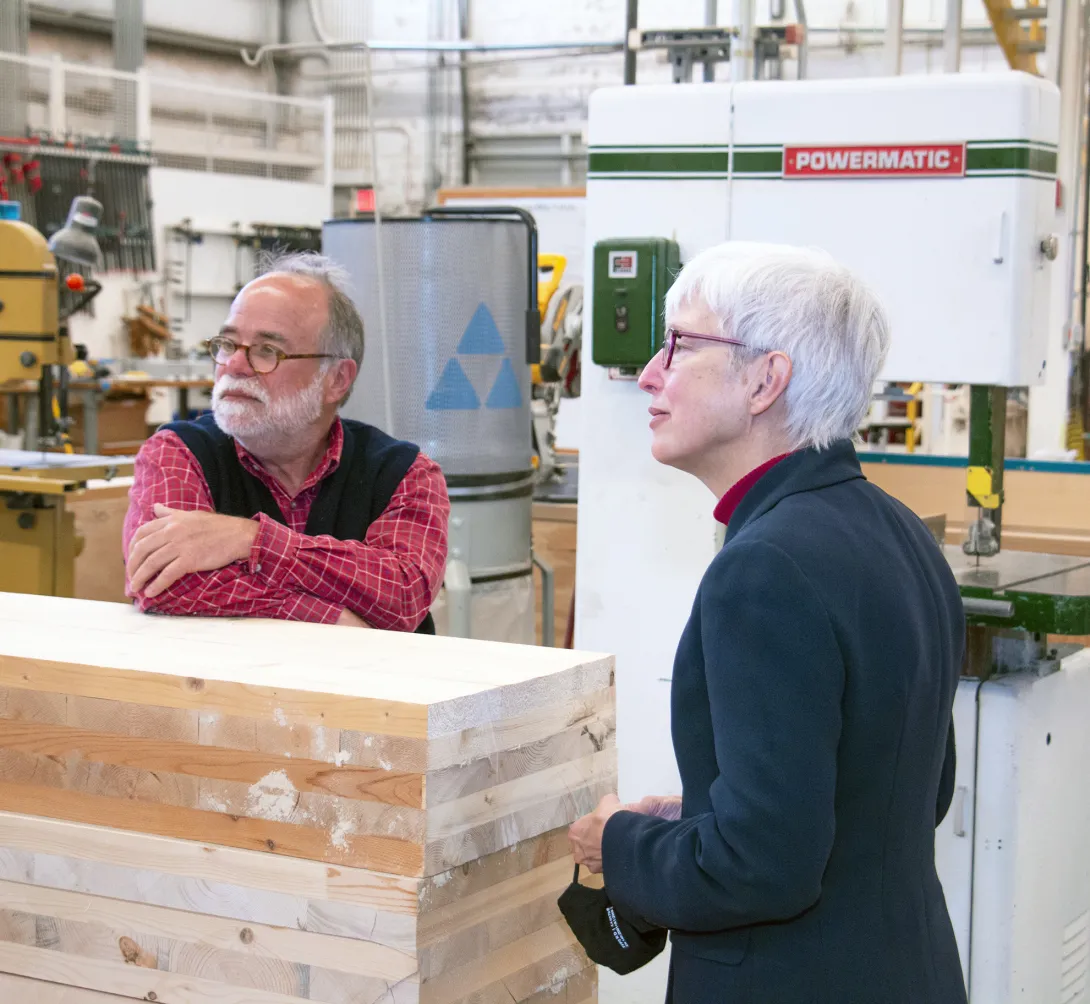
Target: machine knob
{"type": "Point", "coordinates": [28, 360]}
{"type": "Point", "coordinates": [26, 521]}
{"type": "Point", "coordinates": [1050, 247]}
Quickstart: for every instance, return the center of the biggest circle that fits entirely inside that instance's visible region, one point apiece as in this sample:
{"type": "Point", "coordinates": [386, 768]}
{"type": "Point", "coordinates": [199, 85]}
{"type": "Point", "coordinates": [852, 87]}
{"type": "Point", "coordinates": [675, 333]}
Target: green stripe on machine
{"type": "Point", "coordinates": [681, 161]}
{"type": "Point", "coordinates": [758, 161]}
{"type": "Point", "coordinates": [664, 160]}
{"type": "Point", "coordinates": [1024, 158]}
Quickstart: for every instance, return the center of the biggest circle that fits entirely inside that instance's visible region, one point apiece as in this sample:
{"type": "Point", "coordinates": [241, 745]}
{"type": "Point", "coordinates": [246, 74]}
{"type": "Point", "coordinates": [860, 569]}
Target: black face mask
{"type": "Point", "coordinates": [619, 943]}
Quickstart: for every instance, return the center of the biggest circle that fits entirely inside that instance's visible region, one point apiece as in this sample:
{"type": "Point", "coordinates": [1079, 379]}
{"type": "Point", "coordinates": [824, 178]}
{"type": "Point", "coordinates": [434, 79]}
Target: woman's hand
{"type": "Point", "coordinates": [585, 834]}
{"type": "Point", "coordinates": [663, 806]}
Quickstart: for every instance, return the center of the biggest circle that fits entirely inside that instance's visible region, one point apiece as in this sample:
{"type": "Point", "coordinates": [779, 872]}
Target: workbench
{"type": "Point", "coordinates": [250, 811]}
{"type": "Point", "coordinates": [91, 394]}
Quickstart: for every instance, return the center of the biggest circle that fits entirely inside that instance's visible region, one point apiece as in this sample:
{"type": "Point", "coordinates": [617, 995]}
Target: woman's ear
{"type": "Point", "coordinates": [773, 376]}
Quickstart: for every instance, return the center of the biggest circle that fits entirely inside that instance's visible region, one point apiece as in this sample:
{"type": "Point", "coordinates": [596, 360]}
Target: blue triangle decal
{"type": "Point", "coordinates": [453, 392]}
{"type": "Point", "coordinates": [481, 337]}
{"type": "Point", "coordinates": [505, 391]}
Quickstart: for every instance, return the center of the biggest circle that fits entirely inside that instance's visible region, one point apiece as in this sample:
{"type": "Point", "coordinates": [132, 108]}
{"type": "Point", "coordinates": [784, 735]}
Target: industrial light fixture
{"type": "Point", "coordinates": [75, 241]}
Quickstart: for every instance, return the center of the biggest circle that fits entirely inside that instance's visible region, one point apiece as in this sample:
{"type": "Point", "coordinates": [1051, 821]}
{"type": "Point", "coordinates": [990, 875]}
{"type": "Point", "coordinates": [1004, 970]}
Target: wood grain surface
{"type": "Point", "coordinates": [234, 812]}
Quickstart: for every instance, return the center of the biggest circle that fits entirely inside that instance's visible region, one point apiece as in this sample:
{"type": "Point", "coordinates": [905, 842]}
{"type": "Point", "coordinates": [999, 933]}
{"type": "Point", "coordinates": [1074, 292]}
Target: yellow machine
{"type": "Point", "coordinates": [38, 542]}
{"type": "Point", "coordinates": [557, 375]}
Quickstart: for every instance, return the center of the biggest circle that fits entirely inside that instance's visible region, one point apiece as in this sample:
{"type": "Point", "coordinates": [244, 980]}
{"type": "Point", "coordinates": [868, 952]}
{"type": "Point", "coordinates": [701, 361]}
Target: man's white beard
{"type": "Point", "coordinates": [267, 420]}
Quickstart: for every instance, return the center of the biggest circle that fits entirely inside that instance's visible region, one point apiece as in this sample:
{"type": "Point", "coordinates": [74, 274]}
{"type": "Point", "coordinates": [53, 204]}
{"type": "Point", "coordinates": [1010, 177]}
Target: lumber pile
{"type": "Point", "coordinates": [257, 812]}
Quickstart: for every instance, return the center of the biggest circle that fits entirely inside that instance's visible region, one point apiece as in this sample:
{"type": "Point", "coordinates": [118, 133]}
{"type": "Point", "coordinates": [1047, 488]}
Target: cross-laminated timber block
{"type": "Point", "coordinates": [257, 811]}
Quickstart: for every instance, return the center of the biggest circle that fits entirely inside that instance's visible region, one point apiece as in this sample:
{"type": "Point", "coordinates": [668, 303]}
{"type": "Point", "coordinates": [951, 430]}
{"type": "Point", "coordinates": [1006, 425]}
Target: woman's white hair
{"type": "Point", "coordinates": [805, 304]}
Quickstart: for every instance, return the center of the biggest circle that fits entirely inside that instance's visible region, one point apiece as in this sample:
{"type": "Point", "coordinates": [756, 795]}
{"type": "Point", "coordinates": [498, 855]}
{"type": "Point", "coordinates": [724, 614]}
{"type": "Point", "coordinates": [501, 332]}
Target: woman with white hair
{"type": "Point", "coordinates": [814, 683]}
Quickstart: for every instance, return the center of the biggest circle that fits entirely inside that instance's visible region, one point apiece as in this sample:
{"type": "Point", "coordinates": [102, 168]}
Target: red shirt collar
{"type": "Point", "coordinates": [738, 491]}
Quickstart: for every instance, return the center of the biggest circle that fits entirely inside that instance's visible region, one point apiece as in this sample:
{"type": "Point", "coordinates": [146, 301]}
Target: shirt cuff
{"type": "Point", "coordinates": [273, 551]}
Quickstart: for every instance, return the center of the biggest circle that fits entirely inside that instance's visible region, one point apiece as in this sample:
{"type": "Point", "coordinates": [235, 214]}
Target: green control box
{"type": "Point", "coordinates": [631, 277]}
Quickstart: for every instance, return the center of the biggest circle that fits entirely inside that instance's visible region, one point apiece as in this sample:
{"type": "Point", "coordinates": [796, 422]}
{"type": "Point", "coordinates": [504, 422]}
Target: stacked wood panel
{"type": "Point", "coordinates": [257, 811]}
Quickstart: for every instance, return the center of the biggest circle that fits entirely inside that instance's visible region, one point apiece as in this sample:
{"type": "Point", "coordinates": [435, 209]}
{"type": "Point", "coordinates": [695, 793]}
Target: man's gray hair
{"type": "Point", "coordinates": [343, 334]}
{"type": "Point", "coordinates": [805, 304]}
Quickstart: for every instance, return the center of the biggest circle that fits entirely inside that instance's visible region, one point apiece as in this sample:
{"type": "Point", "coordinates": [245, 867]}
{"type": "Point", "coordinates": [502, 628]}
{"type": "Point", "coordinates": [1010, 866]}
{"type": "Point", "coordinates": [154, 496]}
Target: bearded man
{"type": "Point", "coordinates": [274, 506]}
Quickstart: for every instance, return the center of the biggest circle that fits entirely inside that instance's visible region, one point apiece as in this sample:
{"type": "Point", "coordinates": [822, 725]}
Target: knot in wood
{"type": "Point", "coordinates": [246, 936]}
{"type": "Point", "coordinates": [195, 684]}
{"type": "Point", "coordinates": [134, 955]}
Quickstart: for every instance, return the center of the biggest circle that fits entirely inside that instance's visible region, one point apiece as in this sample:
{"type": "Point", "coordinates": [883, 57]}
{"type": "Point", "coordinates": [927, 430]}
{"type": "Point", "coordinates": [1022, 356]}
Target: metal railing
{"type": "Point", "coordinates": [181, 123]}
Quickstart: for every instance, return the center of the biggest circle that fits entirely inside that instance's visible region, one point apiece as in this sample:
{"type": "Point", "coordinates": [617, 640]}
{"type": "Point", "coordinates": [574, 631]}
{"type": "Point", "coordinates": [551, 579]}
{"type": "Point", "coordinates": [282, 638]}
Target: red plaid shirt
{"type": "Point", "coordinates": [390, 578]}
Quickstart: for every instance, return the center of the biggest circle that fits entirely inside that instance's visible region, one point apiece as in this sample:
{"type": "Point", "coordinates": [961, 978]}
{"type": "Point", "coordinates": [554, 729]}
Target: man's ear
{"type": "Point", "coordinates": [771, 379]}
{"type": "Point", "coordinates": [340, 380]}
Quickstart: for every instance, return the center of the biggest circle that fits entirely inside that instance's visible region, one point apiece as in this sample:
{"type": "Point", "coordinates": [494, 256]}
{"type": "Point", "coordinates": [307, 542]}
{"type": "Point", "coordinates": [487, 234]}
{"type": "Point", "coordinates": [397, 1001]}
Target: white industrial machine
{"type": "Point", "coordinates": [941, 192]}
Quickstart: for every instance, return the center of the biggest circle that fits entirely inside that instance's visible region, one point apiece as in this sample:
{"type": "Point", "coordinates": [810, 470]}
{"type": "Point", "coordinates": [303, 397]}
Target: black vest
{"type": "Point", "coordinates": [349, 500]}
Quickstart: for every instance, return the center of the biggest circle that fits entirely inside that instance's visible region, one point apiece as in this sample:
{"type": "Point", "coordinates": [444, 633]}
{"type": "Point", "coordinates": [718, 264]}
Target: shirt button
{"type": "Point", "coordinates": [257, 568]}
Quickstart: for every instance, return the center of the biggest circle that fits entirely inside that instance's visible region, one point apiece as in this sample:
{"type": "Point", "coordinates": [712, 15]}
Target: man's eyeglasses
{"type": "Point", "coordinates": [673, 334]}
{"type": "Point", "coordinates": [263, 357]}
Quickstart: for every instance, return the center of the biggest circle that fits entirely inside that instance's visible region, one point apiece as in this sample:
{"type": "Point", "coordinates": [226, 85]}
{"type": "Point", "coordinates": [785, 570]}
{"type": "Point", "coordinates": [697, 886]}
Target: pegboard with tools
{"type": "Point", "coordinates": [44, 177]}
{"type": "Point", "coordinates": [211, 246]}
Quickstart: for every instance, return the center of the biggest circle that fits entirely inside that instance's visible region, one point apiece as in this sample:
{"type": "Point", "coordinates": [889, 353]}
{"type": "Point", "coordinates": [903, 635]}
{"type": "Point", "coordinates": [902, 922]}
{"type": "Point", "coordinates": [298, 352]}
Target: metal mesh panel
{"type": "Point", "coordinates": [24, 96]}
{"type": "Point", "coordinates": [438, 274]}
{"type": "Point", "coordinates": [287, 172]}
{"type": "Point", "coordinates": [14, 28]}
{"type": "Point", "coordinates": [223, 165]}
{"type": "Point", "coordinates": [237, 132]}
{"type": "Point", "coordinates": [45, 179]}
{"type": "Point", "coordinates": [181, 161]}
{"type": "Point", "coordinates": [95, 104]}
{"type": "Point", "coordinates": [202, 128]}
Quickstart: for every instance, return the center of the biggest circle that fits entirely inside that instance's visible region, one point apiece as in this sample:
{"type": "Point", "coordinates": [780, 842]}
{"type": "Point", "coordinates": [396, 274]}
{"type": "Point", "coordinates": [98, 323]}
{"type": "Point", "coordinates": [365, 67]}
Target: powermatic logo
{"type": "Point", "coordinates": [915, 160]}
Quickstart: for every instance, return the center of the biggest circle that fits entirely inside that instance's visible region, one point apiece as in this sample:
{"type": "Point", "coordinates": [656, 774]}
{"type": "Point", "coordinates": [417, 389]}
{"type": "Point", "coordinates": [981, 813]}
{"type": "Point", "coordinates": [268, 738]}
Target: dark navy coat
{"type": "Point", "coordinates": [811, 718]}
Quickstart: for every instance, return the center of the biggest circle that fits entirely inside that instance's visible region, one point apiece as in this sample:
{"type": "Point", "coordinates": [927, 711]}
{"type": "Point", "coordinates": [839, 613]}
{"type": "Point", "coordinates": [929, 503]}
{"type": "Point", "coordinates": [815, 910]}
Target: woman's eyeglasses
{"type": "Point", "coordinates": [673, 334]}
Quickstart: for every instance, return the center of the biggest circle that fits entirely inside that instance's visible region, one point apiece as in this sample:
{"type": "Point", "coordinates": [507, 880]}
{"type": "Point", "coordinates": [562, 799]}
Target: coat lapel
{"type": "Point", "coordinates": [804, 471]}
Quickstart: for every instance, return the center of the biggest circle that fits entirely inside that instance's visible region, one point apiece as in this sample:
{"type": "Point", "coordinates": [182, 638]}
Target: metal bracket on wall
{"type": "Point", "coordinates": [687, 47]}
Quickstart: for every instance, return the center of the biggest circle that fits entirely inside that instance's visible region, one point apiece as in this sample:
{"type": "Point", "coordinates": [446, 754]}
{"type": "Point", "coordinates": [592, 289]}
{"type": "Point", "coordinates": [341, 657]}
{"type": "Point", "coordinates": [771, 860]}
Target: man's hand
{"type": "Point", "coordinates": [663, 806]}
{"type": "Point", "coordinates": [176, 543]}
{"type": "Point", "coordinates": [585, 834]}
{"type": "Point", "coordinates": [349, 619]}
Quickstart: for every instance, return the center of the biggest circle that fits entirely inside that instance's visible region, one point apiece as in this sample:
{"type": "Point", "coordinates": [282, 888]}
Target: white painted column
{"type": "Point", "coordinates": [1048, 404]}
{"type": "Point", "coordinates": [1060, 13]}
{"type": "Point", "coordinates": [329, 140]}
{"type": "Point", "coordinates": [143, 106]}
{"type": "Point", "coordinates": [57, 121]}
{"type": "Point", "coordinates": [895, 26]}
{"type": "Point", "coordinates": [741, 54]}
{"type": "Point", "coordinates": [951, 37]}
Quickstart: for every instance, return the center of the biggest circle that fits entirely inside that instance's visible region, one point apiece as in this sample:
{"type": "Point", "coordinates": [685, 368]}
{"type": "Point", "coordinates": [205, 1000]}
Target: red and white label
{"type": "Point", "coordinates": [914, 160]}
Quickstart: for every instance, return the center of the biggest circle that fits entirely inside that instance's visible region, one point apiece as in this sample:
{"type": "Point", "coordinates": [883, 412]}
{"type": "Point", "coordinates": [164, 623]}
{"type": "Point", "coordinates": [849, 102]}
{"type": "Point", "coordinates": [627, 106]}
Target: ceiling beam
{"type": "Point", "coordinates": [44, 15]}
